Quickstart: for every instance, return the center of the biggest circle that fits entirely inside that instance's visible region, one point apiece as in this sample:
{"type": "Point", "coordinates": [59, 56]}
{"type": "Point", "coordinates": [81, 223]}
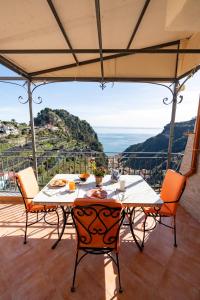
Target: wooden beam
{"type": "Point", "coordinates": [138, 23]}
{"type": "Point", "coordinates": [52, 7]}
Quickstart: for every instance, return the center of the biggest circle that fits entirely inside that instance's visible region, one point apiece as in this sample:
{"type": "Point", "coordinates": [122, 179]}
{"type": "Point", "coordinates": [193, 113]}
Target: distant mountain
{"type": "Point", "coordinates": [69, 126]}
{"type": "Point", "coordinates": [159, 143]}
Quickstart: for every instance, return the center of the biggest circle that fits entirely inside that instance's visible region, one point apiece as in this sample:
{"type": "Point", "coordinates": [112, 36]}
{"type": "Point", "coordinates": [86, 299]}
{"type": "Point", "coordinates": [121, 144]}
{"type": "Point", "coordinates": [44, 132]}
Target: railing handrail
{"type": "Point", "coordinates": [94, 152]}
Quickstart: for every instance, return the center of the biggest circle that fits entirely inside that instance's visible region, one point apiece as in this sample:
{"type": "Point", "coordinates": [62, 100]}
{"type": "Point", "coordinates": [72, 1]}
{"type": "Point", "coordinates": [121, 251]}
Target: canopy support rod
{"type": "Point", "coordinates": [12, 78]}
{"type": "Point", "coordinates": [107, 79]}
{"type": "Point", "coordinates": [118, 52]}
{"type": "Point", "coordinates": [172, 125]}
{"type": "Point", "coordinates": [98, 20]}
{"type": "Point", "coordinates": [10, 65]}
{"type": "Point", "coordinates": [91, 61]}
{"type": "Point", "coordinates": [52, 7]}
{"type": "Point", "coordinates": [173, 113]}
{"type": "Point", "coordinates": [138, 22]}
{"type": "Point", "coordinates": [30, 101]}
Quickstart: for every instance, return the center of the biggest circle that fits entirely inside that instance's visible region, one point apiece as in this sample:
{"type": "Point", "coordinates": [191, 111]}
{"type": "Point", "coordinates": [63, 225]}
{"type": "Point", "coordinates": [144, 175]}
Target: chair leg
{"type": "Point", "coordinates": [75, 268]}
{"type": "Point", "coordinates": [144, 224]}
{"type": "Point", "coordinates": [58, 222]}
{"type": "Point", "coordinates": [25, 235]}
{"type": "Point", "coordinates": [175, 244]}
{"type": "Point", "coordinates": [119, 278]}
{"type": "Point", "coordinates": [131, 223]}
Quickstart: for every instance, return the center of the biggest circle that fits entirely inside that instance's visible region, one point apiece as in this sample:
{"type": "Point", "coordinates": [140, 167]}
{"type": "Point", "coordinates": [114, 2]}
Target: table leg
{"type": "Point", "coordinates": [131, 224]}
{"type": "Point", "coordinates": [63, 228]}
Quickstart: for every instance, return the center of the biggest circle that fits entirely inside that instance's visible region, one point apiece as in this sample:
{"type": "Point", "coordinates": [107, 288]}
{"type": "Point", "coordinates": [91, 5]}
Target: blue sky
{"type": "Point", "coordinates": [118, 105]}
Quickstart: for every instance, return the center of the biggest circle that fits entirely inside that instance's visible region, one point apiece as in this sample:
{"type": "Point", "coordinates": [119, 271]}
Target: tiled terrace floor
{"type": "Point", "coordinates": [34, 271]}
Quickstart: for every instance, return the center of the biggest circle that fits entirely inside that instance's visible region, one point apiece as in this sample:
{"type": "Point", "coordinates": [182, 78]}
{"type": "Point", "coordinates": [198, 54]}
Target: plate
{"type": "Point", "coordinates": [58, 183]}
{"type": "Point", "coordinates": [97, 193]}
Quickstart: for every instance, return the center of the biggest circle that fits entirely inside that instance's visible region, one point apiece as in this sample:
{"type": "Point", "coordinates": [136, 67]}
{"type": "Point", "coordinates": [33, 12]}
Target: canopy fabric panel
{"type": "Point", "coordinates": [71, 39]}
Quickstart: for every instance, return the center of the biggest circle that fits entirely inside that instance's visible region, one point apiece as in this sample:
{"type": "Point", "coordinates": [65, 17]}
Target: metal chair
{"type": "Point", "coordinates": [171, 191]}
{"type": "Point", "coordinates": [97, 224]}
{"type": "Point", "coordinates": [29, 188]}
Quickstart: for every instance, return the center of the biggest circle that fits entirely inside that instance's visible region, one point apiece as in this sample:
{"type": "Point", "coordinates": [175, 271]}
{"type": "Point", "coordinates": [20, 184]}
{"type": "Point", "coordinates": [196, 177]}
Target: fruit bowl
{"type": "Point", "coordinates": [84, 176]}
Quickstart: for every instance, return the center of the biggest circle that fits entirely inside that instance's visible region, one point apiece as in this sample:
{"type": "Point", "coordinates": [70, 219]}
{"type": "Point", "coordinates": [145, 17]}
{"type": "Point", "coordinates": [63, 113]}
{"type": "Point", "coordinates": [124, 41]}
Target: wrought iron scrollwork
{"type": "Point", "coordinates": [97, 220]}
{"type": "Point", "coordinates": [39, 101]}
{"type": "Point", "coordinates": [21, 100]}
{"type": "Point", "coordinates": [179, 88]}
{"type": "Point", "coordinates": [102, 85]}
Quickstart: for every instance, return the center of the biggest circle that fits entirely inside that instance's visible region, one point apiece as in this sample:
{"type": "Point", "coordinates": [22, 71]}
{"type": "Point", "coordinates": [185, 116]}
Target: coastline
{"type": "Point", "coordinates": [118, 139]}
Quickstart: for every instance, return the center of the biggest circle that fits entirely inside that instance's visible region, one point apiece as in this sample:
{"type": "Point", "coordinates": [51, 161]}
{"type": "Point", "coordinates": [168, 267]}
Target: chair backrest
{"type": "Point", "coordinates": [97, 222]}
{"type": "Point", "coordinates": [172, 189]}
{"type": "Point", "coordinates": [28, 185]}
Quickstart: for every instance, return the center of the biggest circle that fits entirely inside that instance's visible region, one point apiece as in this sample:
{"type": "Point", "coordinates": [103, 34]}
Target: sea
{"type": "Point", "coordinates": [118, 139]}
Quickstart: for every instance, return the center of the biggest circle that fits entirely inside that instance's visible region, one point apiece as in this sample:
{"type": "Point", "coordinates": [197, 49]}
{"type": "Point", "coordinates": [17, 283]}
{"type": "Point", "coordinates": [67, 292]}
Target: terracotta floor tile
{"type": "Point", "coordinates": [35, 271]}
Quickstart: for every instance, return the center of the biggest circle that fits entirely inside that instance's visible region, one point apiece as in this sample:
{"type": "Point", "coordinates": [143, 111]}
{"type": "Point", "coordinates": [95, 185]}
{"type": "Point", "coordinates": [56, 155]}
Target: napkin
{"type": "Point", "coordinates": [51, 192]}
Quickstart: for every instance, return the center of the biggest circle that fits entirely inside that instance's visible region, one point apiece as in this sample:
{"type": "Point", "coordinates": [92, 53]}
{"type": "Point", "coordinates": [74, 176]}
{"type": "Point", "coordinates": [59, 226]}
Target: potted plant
{"type": "Point", "coordinates": [99, 173]}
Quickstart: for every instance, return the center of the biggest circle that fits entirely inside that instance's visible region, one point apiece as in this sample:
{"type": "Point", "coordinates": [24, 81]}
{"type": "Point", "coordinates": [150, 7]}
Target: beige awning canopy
{"type": "Point", "coordinates": [102, 40]}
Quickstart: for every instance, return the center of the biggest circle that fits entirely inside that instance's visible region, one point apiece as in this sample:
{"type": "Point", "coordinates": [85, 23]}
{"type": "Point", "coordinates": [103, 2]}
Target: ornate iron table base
{"type": "Point", "coordinates": [66, 214]}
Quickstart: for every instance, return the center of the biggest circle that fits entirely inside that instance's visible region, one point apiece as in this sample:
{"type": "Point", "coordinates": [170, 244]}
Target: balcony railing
{"type": "Point", "coordinates": [150, 165]}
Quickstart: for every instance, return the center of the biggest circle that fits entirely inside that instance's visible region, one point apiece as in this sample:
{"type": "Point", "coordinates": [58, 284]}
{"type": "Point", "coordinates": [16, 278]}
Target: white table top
{"type": "Point", "coordinates": [137, 191]}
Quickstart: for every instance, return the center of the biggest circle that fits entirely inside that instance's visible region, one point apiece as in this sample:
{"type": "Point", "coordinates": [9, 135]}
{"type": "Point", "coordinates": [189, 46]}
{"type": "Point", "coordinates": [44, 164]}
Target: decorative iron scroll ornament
{"type": "Point", "coordinates": [102, 85]}
{"type": "Point", "coordinates": [20, 98]}
{"type": "Point", "coordinates": [179, 88]}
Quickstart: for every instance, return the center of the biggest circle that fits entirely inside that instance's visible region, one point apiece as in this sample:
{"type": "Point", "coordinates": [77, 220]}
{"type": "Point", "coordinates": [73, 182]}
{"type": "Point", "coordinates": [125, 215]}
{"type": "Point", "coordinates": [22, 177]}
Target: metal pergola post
{"type": "Point", "coordinates": [30, 101]}
{"type": "Point", "coordinates": [172, 124]}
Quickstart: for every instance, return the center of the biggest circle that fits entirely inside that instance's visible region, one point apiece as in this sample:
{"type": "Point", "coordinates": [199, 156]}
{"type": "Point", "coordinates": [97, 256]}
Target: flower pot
{"type": "Point", "coordinates": [99, 180]}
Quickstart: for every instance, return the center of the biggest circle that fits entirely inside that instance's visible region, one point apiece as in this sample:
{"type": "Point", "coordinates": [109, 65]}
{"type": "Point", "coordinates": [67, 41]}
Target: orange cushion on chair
{"type": "Point", "coordinates": [28, 185]}
{"type": "Point", "coordinates": [172, 189]}
{"type": "Point", "coordinates": [97, 231]}
{"type": "Point", "coordinates": [38, 208]}
{"type": "Point", "coordinates": [164, 211]}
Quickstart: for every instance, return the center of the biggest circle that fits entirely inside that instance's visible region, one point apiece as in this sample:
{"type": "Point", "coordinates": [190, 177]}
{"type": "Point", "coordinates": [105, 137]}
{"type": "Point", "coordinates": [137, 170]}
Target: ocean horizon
{"type": "Point", "coordinates": [118, 139]}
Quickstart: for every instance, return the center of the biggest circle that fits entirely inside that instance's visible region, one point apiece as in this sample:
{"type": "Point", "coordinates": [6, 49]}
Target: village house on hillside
{"type": "Point", "coordinates": [8, 130]}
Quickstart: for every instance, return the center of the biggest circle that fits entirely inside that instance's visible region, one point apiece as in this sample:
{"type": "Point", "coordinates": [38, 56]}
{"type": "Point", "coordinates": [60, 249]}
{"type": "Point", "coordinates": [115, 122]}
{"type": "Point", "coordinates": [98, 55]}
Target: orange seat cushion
{"type": "Point", "coordinates": [164, 211]}
{"type": "Point", "coordinates": [172, 189]}
{"type": "Point", "coordinates": [38, 208]}
{"type": "Point", "coordinates": [97, 225]}
{"type": "Point", "coordinates": [28, 185]}
{"type": "Point", "coordinates": [29, 189]}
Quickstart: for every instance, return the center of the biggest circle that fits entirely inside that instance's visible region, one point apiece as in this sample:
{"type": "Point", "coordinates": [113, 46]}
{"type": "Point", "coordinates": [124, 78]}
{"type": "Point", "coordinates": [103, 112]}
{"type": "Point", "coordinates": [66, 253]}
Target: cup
{"type": "Point", "coordinates": [72, 186]}
{"type": "Point", "coordinates": [122, 185]}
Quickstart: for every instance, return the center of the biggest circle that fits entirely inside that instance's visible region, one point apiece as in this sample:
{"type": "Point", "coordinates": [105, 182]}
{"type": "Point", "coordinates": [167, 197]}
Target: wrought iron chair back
{"type": "Point", "coordinates": [97, 225]}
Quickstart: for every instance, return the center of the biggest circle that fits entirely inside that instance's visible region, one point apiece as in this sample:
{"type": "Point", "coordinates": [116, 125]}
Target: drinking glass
{"type": "Point", "coordinates": [72, 186]}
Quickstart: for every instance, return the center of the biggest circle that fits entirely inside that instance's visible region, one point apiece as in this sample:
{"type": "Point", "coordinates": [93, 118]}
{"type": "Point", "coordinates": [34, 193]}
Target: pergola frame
{"type": "Point", "coordinates": [174, 92]}
{"type": "Point", "coordinates": [105, 54]}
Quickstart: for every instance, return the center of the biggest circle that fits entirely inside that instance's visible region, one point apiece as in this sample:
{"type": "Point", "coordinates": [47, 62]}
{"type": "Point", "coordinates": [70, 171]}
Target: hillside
{"type": "Point", "coordinates": [159, 143]}
{"type": "Point", "coordinates": [68, 129]}
{"type": "Point", "coordinates": [61, 142]}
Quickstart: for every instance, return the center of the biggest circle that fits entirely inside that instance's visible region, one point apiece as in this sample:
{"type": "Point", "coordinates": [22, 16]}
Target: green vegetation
{"type": "Point", "coordinates": [58, 135]}
{"type": "Point", "coordinates": [159, 143]}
